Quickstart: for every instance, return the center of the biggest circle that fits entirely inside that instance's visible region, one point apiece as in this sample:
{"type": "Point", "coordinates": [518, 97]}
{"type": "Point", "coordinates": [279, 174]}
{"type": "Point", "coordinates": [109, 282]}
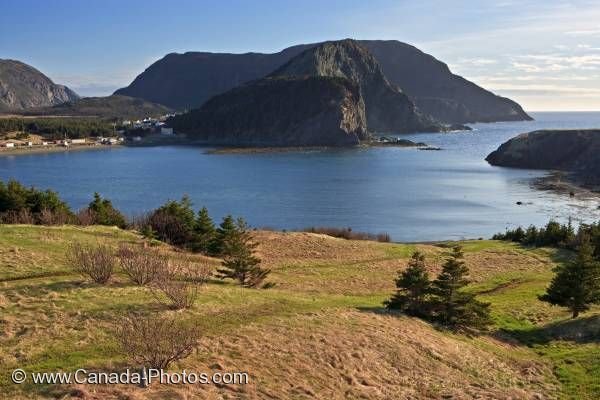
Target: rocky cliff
{"type": "Point", "coordinates": [575, 151]}
{"type": "Point", "coordinates": [280, 111]}
{"type": "Point", "coordinates": [22, 87]}
{"type": "Point", "coordinates": [387, 108]}
{"type": "Point", "coordinates": [185, 81]}
{"type": "Point", "coordinates": [436, 90]}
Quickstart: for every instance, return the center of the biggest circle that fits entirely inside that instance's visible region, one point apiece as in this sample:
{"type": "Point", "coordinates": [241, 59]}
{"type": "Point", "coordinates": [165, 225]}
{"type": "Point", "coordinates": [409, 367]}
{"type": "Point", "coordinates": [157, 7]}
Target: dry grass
{"type": "Point", "coordinates": [318, 334]}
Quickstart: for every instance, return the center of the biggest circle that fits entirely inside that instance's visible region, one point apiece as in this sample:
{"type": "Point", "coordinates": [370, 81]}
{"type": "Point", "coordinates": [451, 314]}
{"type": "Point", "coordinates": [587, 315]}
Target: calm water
{"type": "Point", "coordinates": [413, 195]}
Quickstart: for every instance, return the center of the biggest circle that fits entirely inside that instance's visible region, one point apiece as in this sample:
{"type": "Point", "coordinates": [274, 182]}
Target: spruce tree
{"type": "Point", "coordinates": [104, 213]}
{"type": "Point", "coordinates": [576, 284]}
{"type": "Point", "coordinates": [453, 306]}
{"type": "Point", "coordinates": [239, 262]}
{"type": "Point", "coordinates": [204, 231]}
{"type": "Point", "coordinates": [412, 288]}
{"type": "Point", "coordinates": [225, 230]}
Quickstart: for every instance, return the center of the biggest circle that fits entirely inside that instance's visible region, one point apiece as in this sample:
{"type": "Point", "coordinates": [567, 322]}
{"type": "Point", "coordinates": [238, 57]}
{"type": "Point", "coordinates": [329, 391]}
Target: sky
{"type": "Point", "coordinates": [545, 54]}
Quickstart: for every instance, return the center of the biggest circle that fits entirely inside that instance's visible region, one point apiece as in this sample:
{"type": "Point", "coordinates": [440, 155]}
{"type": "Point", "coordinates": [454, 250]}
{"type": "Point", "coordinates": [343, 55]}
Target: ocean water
{"type": "Point", "coordinates": [413, 195]}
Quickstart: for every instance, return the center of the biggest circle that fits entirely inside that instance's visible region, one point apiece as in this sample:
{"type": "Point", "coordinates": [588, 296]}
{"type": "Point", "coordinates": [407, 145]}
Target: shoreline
{"type": "Point", "coordinates": [565, 183]}
{"type": "Point", "coordinates": [17, 151]}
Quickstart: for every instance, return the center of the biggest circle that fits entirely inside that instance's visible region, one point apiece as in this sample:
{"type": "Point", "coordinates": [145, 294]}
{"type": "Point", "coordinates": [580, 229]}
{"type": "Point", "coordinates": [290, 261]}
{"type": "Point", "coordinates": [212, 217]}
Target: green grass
{"type": "Point", "coordinates": [51, 319]}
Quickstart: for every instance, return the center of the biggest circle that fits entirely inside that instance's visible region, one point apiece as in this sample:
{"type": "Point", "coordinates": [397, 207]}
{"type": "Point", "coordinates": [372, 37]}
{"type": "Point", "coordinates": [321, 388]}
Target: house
{"type": "Point", "coordinates": [8, 144]}
{"type": "Point", "coordinates": [44, 143]}
{"type": "Point", "coordinates": [29, 144]}
{"type": "Point", "coordinates": [166, 131]}
{"type": "Point", "coordinates": [77, 141]}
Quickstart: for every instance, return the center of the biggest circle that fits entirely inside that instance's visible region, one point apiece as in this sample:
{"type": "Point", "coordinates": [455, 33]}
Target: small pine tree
{"type": "Point", "coordinates": [576, 284]}
{"type": "Point", "coordinates": [413, 288]}
{"type": "Point", "coordinates": [226, 230]}
{"type": "Point", "coordinates": [204, 231]}
{"type": "Point", "coordinates": [239, 262]}
{"type": "Point", "coordinates": [454, 307]}
{"type": "Point", "coordinates": [104, 213]}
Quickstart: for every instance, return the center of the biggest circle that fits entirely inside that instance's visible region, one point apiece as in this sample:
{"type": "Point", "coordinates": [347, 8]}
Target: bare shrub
{"type": "Point", "coordinates": [348, 233]}
{"type": "Point", "coordinates": [49, 217]}
{"type": "Point", "coordinates": [156, 342]}
{"type": "Point", "coordinates": [22, 216]}
{"type": "Point", "coordinates": [141, 265]}
{"type": "Point", "coordinates": [193, 270]}
{"type": "Point", "coordinates": [85, 217]}
{"type": "Point", "coordinates": [95, 262]}
{"type": "Point", "coordinates": [177, 285]}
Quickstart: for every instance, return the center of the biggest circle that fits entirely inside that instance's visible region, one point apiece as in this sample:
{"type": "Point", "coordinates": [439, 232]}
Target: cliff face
{"type": "Point", "coordinates": [387, 108]}
{"type": "Point", "coordinates": [22, 87]}
{"type": "Point", "coordinates": [185, 81]}
{"type": "Point", "coordinates": [280, 111]}
{"type": "Point", "coordinates": [436, 90]}
{"type": "Point", "coordinates": [570, 150]}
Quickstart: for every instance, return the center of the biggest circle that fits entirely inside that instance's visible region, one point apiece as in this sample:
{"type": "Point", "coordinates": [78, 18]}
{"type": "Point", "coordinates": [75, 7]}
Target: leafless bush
{"type": "Point", "coordinates": [85, 217]}
{"type": "Point", "coordinates": [141, 265]}
{"type": "Point", "coordinates": [177, 285]}
{"type": "Point", "coordinates": [96, 262]}
{"type": "Point", "coordinates": [348, 233]}
{"type": "Point", "coordinates": [23, 216]}
{"type": "Point", "coordinates": [49, 217]}
{"type": "Point", "coordinates": [156, 342]}
{"type": "Point", "coordinates": [192, 270]}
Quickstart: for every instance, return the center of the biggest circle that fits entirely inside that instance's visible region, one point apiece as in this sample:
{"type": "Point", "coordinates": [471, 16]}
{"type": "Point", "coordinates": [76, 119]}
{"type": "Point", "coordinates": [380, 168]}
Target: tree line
{"type": "Point", "coordinates": [57, 128]}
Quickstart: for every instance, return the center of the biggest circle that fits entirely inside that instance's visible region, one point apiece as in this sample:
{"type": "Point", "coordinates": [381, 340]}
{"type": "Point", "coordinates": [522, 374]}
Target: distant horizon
{"type": "Point", "coordinates": [544, 56]}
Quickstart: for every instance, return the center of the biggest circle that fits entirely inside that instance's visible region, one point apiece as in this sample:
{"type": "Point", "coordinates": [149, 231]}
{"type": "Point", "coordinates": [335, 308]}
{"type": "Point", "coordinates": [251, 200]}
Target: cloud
{"type": "Point", "coordinates": [584, 32]}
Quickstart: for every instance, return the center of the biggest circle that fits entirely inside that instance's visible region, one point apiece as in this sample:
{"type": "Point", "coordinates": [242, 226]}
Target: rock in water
{"type": "Point", "coordinates": [575, 151]}
{"type": "Point", "coordinates": [281, 111]}
{"type": "Point", "coordinates": [22, 87]}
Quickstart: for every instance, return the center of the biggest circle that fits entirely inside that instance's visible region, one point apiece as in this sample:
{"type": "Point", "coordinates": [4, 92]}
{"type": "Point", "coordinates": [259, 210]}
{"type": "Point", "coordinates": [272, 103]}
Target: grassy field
{"type": "Point", "coordinates": [321, 332]}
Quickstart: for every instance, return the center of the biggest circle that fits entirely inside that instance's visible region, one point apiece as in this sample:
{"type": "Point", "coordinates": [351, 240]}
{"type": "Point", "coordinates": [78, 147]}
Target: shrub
{"type": "Point", "coordinates": [142, 266]}
{"type": "Point", "coordinates": [174, 222]}
{"type": "Point", "coordinates": [19, 204]}
{"type": "Point", "coordinates": [95, 262]}
{"type": "Point", "coordinates": [239, 262]}
{"type": "Point", "coordinates": [156, 342]}
{"type": "Point", "coordinates": [103, 213]}
{"type": "Point", "coordinates": [173, 289]}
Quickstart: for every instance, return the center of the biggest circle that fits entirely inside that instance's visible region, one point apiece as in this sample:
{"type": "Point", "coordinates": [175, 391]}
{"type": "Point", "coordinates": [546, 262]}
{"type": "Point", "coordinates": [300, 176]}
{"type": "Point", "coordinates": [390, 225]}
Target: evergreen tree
{"type": "Point", "coordinates": [226, 230]}
{"type": "Point", "coordinates": [239, 262]}
{"type": "Point", "coordinates": [453, 306]}
{"type": "Point", "coordinates": [204, 230]}
{"type": "Point", "coordinates": [413, 288]}
{"type": "Point", "coordinates": [576, 284]}
{"type": "Point", "coordinates": [104, 213]}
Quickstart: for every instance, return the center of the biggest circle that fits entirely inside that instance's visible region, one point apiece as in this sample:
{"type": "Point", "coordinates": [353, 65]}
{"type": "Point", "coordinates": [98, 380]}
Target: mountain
{"type": "Point", "coordinates": [280, 111]}
{"type": "Point", "coordinates": [114, 106]}
{"type": "Point", "coordinates": [575, 151]}
{"type": "Point", "coordinates": [184, 81]}
{"type": "Point", "coordinates": [387, 108]}
{"type": "Point", "coordinates": [436, 90]}
{"type": "Point", "coordinates": [23, 87]}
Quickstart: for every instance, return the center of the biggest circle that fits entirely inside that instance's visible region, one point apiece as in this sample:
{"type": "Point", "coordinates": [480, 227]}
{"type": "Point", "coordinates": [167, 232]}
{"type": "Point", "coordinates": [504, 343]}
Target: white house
{"type": "Point", "coordinates": [166, 131]}
{"type": "Point", "coordinates": [78, 141]}
{"type": "Point", "coordinates": [8, 144]}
